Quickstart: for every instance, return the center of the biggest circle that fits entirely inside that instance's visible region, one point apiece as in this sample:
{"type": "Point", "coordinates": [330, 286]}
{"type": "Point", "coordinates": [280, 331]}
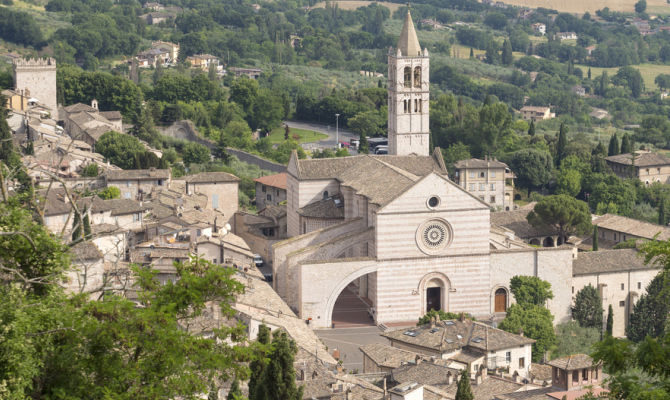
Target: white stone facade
{"type": "Point", "coordinates": [38, 76]}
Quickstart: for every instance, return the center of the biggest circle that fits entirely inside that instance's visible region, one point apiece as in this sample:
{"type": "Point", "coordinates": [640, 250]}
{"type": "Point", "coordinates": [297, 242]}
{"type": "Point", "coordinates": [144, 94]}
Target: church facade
{"type": "Point", "coordinates": [397, 231]}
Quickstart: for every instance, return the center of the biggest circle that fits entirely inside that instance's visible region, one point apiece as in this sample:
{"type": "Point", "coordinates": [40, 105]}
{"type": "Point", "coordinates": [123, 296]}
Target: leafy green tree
{"type": "Point", "coordinates": [595, 238]}
{"type": "Point", "coordinates": [6, 143]}
{"type": "Point", "coordinates": [90, 170]}
{"type": "Point", "coordinates": [195, 153]}
{"type": "Point", "coordinates": [369, 123]}
{"type": "Point", "coordinates": [266, 111]}
{"type": "Point", "coordinates": [564, 213]}
{"type": "Point", "coordinates": [86, 222]}
{"type": "Point", "coordinates": [574, 339]}
{"type": "Point", "coordinates": [650, 313]}
{"type": "Point", "coordinates": [243, 91]}
{"type": "Point", "coordinates": [663, 80]}
{"type": "Point", "coordinates": [507, 57]}
{"type": "Point", "coordinates": [77, 228]}
{"type": "Point", "coordinates": [464, 390]}
{"type": "Point", "coordinates": [120, 149]}
{"type": "Point", "coordinates": [531, 128]}
{"type": "Point", "coordinates": [158, 72]}
{"type": "Point", "coordinates": [588, 308]}
{"type": "Point", "coordinates": [530, 290]}
{"type": "Point", "coordinates": [443, 316]}
{"type": "Point", "coordinates": [536, 322]}
{"type": "Point", "coordinates": [363, 145]}
{"type": "Point", "coordinates": [610, 321]}
{"type": "Point", "coordinates": [492, 55]}
{"type": "Point", "coordinates": [110, 192]}
{"type": "Point", "coordinates": [569, 182]}
{"type": "Point", "coordinates": [662, 218]}
{"type": "Point", "coordinates": [532, 168]}
{"type": "Point", "coordinates": [640, 6]}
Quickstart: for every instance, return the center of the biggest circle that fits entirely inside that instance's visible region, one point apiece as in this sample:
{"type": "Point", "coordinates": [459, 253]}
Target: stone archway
{"type": "Point", "coordinates": [337, 290]}
{"type": "Point", "coordinates": [548, 242]}
{"type": "Point", "coordinates": [535, 242]}
{"type": "Point", "coordinates": [434, 290]}
{"type": "Point", "coordinates": [500, 297]}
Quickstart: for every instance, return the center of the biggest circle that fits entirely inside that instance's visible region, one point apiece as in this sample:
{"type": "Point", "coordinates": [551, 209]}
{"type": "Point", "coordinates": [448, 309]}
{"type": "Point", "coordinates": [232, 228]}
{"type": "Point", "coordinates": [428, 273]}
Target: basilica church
{"type": "Point", "coordinates": [396, 231]}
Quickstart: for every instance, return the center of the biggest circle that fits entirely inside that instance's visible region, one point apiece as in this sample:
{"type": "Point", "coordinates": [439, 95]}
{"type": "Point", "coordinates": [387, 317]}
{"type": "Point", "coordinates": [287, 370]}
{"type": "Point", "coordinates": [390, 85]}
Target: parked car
{"type": "Point", "coordinates": [382, 149]}
{"type": "Point", "coordinates": [258, 260]}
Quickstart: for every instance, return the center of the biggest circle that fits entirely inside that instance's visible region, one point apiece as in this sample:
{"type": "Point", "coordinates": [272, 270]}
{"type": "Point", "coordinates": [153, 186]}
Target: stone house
{"type": "Point", "coordinates": [648, 167]}
{"type": "Point", "coordinates": [251, 73]}
{"type": "Point", "coordinates": [539, 28]}
{"type": "Point", "coordinates": [487, 179]}
{"type": "Point", "coordinates": [89, 268]}
{"type": "Point", "coordinates": [517, 222]}
{"type": "Point", "coordinates": [171, 48]}
{"type": "Point", "coordinates": [262, 230]}
{"type": "Point", "coordinates": [379, 357]}
{"type": "Point", "coordinates": [221, 189]}
{"type": "Point", "coordinates": [88, 123]}
{"type": "Point", "coordinates": [270, 190]}
{"type": "Point", "coordinates": [136, 183]}
{"type": "Point", "coordinates": [620, 276]}
{"type": "Point", "coordinates": [567, 35]}
{"type": "Point", "coordinates": [467, 344]}
{"type": "Point", "coordinates": [202, 61]}
{"type": "Point", "coordinates": [534, 113]}
{"type": "Point", "coordinates": [230, 248]}
{"type": "Point", "coordinates": [613, 229]}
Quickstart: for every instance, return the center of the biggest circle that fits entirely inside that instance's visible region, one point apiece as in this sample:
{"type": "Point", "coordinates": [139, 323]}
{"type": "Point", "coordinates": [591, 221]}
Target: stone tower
{"type": "Point", "coordinates": [38, 77]}
{"type": "Point", "coordinates": [408, 95]}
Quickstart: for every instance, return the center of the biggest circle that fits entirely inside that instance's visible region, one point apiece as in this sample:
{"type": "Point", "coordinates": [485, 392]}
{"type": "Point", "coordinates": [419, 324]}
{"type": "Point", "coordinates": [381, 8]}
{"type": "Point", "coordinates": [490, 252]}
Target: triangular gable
{"type": "Point", "coordinates": [452, 196]}
{"type": "Point", "coordinates": [292, 167]}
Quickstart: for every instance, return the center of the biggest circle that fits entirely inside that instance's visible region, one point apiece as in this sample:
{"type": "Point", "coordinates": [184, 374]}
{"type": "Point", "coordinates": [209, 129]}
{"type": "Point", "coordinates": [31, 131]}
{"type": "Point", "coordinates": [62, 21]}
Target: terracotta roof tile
{"type": "Point", "coordinates": [604, 261]}
{"type": "Point", "coordinates": [276, 180]}
{"type": "Point", "coordinates": [632, 226]}
{"type": "Point", "coordinates": [645, 159]}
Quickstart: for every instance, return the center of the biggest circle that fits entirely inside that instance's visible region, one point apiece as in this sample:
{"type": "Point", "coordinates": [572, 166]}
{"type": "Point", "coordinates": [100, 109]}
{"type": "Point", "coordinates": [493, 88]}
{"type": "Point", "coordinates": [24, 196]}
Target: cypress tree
{"type": "Point", "coordinates": [259, 364]}
{"type": "Point", "coordinates": [76, 227]}
{"type": "Point", "coordinates": [464, 391]}
{"type": "Point", "coordinates": [662, 219]}
{"type": "Point", "coordinates": [507, 56]}
{"type": "Point", "coordinates": [363, 145]}
{"type": "Point", "coordinates": [6, 143]}
{"type": "Point", "coordinates": [278, 381]}
{"type": "Point", "coordinates": [589, 73]}
{"type": "Point", "coordinates": [595, 237]}
{"type": "Point", "coordinates": [472, 53]}
{"type": "Point", "coordinates": [613, 146]}
{"type": "Point", "coordinates": [610, 321]}
{"type": "Point", "coordinates": [30, 148]}
{"type": "Point", "coordinates": [235, 392]}
{"type": "Point", "coordinates": [561, 145]}
{"type": "Point", "coordinates": [87, 226]}
{"type": "Point", "coordinates": [626, 145]}
{"type": "Point", "coordinates": [531, 128]}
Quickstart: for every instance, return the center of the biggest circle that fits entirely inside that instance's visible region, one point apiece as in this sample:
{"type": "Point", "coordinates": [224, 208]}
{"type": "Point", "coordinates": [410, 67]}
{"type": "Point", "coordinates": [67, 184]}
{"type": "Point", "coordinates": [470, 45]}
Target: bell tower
{"type": "Point", "coordinates": [408, 95]}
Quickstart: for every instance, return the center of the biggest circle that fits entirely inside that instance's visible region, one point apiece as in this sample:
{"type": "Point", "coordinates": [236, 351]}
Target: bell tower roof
{"type": "Point", "coordinates": [408, 43]}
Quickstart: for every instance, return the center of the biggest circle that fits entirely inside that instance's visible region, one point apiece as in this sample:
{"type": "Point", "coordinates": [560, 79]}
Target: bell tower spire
{"type": "Point", "coordinates": [408, 94]}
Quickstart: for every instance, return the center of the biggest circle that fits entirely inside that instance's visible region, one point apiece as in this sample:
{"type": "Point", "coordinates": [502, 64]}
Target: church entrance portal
{"type": "Point", "coordinates": [434, 298]}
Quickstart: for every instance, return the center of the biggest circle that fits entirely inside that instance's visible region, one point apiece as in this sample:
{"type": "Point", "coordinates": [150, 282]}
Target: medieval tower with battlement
{"type": "Point", "coordinates": [37, 78]}
{"type": "Point", "coordinates": [408, 95]}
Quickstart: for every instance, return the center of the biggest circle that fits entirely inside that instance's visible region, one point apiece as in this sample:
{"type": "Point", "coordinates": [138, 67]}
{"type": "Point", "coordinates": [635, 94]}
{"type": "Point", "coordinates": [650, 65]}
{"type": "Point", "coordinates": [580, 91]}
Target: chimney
{"type": "Point", "coordinates": [521, 333]}
{"type": "Point", "coordinates": [450, 378]}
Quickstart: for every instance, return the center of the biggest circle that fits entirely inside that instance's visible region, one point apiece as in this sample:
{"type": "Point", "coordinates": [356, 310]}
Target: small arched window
{"type": "Point", "coordinates": [325, 194]}
{"type": "Point", "coordinates": [417, 77]}
{"type": "Point", "coordinates": [408, 77]}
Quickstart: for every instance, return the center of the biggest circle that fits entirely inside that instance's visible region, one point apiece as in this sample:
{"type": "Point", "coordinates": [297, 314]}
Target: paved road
{"type": "Point", "coordinates": [344, 134]}
{"type": "Point", "coordinates": [348, 340]}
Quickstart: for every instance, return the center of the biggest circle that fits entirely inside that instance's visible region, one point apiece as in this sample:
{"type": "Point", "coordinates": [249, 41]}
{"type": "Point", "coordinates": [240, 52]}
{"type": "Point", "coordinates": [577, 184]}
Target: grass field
{"type": "Point", "coordinates": [352, 5]}
{"type": "Point", "coordinates": [649, 72]}
{"type": "Point", "coordinates": [581, 6]}
{"type": "Point", "coordinates": [303, 135]}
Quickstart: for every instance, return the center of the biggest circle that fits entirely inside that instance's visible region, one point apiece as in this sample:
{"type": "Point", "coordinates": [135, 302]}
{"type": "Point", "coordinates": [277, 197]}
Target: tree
{"type": "Point", "coordinates": [30, 149]}
{"type": "Point", "coordinates": [569, 182]}
{"type": "Point", "coordinates": [663, 80]}
{"type": "Point", "coordinates": [531, 128]}
{"type": "Point", "coordinates": [588, 308]}
{"type": "Point", "coordinates": [259, 363]}
{"type": "Point", "coordinates": [278, 381]}
{"type": "Point", "coordinates": [650, 313]}
{"type": "Point", "coordinates": [640, 6]}
{"type": "Point", "coordinates": [532, 167]}
{"type": "Point", "coordinates": [530, 290]}
{"type": "Point", "coordinates": [626, 144]}
{"type": "Point", "coordinates": [77, 228]}
{"type": "Point", "coordinates": [595, 238]}
{"type": "Point", "coordinates": [536, 322]}
{"type": "Point", "coordinates": [442, 315]}
{"type": "Point", "coordinates": [610, 321]}
{"type": "Point", "coordinates": [110, 192]}
{"type": "Point", "coordinates": [363, 145]}
{"type": "Point", "coordinates": [662, 218]}
{"type": "Point", "coordinates": [561, 144]}
{"type": "Point", "coordinates": [90, 170]}
{"type": "Point", "coordinates": [613, 146]}
{"type": "Point", "coordinates": [195, 153]}
{"type": "Point", "coordinates": [235, 393]}
{"type": "Point", "coordinates": [574, 339]}
{"type": "Point", "coordinates": [589, 73]}
{"type": "Point", "coordinates": [86, 222]}
{"type": "Point", "coordinates": [472, 53]}
{"type": "Point", "coordinates": [6, 143]}
{"type": "Point", "coordinates": [158, 72]}
{"type": "Point", "coordinates": [368, 123]}
{"type": "Point", "coordinates": [507, 56]}
{"type": "Point", "coordinates": [492, 55]}
{"type": "Point", "coordinates": [119, 149]}
{"type": "Point", "coordinates": [464, 391]}
{"type": "Point", "coordinates": [564, 213]}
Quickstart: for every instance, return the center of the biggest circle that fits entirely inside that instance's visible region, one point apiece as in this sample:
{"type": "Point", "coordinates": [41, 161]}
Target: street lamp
{"type": "Point", "coordinates": [224, 231]}
{"type": "Point", "coordinates": [337, 131]}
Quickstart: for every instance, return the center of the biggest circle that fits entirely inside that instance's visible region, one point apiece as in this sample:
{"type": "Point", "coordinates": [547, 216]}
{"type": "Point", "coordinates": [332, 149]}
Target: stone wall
{"type": "Point", "coordinates": [261, 162]}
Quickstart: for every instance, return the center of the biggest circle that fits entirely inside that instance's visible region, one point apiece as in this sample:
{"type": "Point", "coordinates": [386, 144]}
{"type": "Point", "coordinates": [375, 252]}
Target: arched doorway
{"type": "Point", "coordinates": [355, 305]}
{"type": "Point", "coordinates": [548, 242]}
{"type": "Point", "coordinates": [434, 290]}
{"type": "Point", "coordinates": [500, 300]}
{"type": "Point", "coordinates": [434, 294]}
{"type": "Point", "coordinates": [535, 242]}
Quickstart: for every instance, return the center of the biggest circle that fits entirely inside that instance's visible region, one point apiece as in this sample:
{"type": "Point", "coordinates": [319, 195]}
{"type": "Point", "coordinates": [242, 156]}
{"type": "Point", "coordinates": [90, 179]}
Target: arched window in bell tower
{"type": "Point", "coordinates": [408, 77]}
{"type": "Point", "coordinates": [417, 77]}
